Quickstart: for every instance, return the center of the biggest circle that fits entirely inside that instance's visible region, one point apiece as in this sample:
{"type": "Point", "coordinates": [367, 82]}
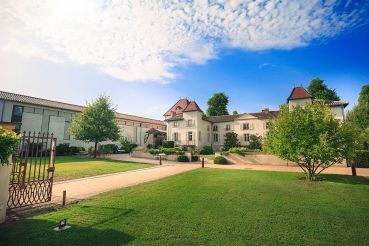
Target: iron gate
{"type": "Point", "coordinates": [32, 173]}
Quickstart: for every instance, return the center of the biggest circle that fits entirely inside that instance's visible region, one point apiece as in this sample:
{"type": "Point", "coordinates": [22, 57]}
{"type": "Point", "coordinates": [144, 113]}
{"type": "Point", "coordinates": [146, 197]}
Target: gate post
{"type": "Point", "coordinates": [4, 189]}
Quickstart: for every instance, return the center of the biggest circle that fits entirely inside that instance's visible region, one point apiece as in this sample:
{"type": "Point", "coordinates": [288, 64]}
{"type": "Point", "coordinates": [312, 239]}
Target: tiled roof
{"type": "Point", "coordinates": [174, 118]}
{"type": "Point", "coordinates": [67, 106]}
{"type": "Point", "coordinates": [332, 103]}
{"type": "Point", "coordinates": [178, 107]}
{"type": "Point", "coordinates": [221, 118]}
{"type": "Point", "coordinates": [265, 115]}
{"type": "Point", "coordinates": [192, 106]}
{"type": "Point", "coordinates": [299, 93]}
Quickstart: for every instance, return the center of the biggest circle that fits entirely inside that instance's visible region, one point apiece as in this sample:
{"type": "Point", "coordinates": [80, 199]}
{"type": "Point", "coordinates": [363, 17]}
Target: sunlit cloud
{"type": "Point", "coordinates": [147, 40]}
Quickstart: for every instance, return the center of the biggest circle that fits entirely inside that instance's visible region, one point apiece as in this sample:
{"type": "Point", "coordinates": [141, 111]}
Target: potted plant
{"type": "Point", "coordinates": [8, 145]}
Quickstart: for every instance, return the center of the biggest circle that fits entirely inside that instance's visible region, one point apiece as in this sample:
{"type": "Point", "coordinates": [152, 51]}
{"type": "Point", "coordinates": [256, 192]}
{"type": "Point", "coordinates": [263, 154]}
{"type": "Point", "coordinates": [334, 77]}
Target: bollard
{"type": "Point", "coordinates": [353, 168]}
{"type": "Point", "coordinates": [64, 197]}
{"type": "Point", "coordinates": [160, 160]}
{"type": "Point", "coordinates": [202, 163]}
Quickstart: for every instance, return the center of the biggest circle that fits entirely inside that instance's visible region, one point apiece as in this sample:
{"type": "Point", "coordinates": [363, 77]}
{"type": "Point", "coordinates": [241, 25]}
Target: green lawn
{"type": "Point", "coordinates": [211, 207]}
{"type": "Point", "coordinates": [71, 167]}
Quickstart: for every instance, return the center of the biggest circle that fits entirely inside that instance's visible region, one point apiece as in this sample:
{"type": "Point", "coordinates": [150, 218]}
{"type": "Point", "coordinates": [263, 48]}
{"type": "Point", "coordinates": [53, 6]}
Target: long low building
{"type": "Point", "coordinates": [33, 114]}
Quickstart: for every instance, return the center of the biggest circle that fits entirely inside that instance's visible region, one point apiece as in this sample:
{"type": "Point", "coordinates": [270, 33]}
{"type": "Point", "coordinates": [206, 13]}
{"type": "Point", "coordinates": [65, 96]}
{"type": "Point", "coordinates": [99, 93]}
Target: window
{"type": "Point", "coordinates": [17, 117]}
{"type": "Point", "coordinates": [17, 114]}
{"type": "Point", "coordinates": [178, 108]}
{"type": "Point", "coordinates": [175, 124]}
{"type": "Point", "coordinates": [208, 137]}
{"type": "Point", "coordinates": [215, 136]}
{"type": "Point", "coordinates": [215, 128]}
{"type": "Point", "coordinates": [246, 137]}
{"type": "Point", "coordinates": [199, 135]}
{"type": "Point", "coordinates": [189, 122]}
{"type": "Point", "coordinates": [208, 128]}
{"type": "Point", "coordinates": [189, 136]}
{"type": "Point", "coordinates": [175, 136]}
{"type": "Point", "coordinates": [228, 127]}
{"type": "Point", "coordinates": [246, 126]}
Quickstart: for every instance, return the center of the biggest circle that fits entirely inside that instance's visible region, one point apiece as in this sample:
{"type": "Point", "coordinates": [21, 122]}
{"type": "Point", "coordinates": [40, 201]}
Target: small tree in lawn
{"type": "Point", "coordinates": [96, 123]}
{"type": "Point", "coordinates": [309, 136]}
{"type": "Point", "coordinates": [230, 140]}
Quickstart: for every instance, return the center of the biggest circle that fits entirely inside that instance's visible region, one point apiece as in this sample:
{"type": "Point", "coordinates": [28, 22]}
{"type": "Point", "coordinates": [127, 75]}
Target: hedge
{"type": "Point", "coordinates": [206, 150]}
{"type": "Point", "coordinates": [183, 158]}
{"type": "Point", "coordinates": [220, 160]}
{"type": "Point", "coordinates": [362, 158]}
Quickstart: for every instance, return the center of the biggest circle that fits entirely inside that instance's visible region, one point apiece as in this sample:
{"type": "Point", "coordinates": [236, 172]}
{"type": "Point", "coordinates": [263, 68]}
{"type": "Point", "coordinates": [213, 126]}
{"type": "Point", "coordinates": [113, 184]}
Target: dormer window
{"type": "Point", "coordinates": [178, 108]}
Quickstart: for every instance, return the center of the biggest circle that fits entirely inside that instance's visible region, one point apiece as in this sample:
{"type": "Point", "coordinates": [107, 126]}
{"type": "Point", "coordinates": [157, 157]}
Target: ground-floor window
{"type": "Point", "coordinates": [208, 137]}
{"type": "Point", "coordinates": [189, 136]}
{"type": "Point", "coordinates": [199, 135]}
{"type": "Point", "coordinates": [246, 137]}
{"type": "Point", "coordinates": [215, 137]}
{"type": "Point", "coordinates": [175, 136]}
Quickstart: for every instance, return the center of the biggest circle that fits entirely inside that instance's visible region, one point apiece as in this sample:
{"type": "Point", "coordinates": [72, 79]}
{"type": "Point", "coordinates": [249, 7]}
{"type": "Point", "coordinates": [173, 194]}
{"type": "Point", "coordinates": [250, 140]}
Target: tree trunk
{"type": "Point", "coordinates": [95, 149]}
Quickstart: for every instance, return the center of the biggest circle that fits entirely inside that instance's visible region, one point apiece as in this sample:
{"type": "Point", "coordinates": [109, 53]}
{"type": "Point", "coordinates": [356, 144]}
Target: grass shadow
{"type": "Point", "coordinates": [345, 179]}
{"type": "Point", "coordinates": [40, 232]}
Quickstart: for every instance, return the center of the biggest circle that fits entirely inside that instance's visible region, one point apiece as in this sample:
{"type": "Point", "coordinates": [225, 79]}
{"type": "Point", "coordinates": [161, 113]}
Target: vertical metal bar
{"type": "Point", "coordinates": [160, 160]}
{"type": "Point", "coordinates": [202, 163]}
{"type": "Point", "coordinates": [41, 152]}
{"type": "Point", "coordinates": [52, 155]}
{"type": "Point", "coordinates": [30, 160]}
{"type": "Point", "coordinates": [37, 153]}
{"type": "Point", "coordinates": [45, 156]}
{"type": "Point", "coordinates": [25, 163]}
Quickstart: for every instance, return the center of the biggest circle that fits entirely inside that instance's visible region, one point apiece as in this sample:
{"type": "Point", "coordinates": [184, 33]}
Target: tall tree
{"type": "Point", "coordinates": [359, 115]}
{"type": "Point", "coordinates": [319, 90]}
{"type": "Point", "coordinates": [96, 123]}
{"type": "Point", "coordinates": [230, 140]}
{"type": "Point", "coordinates": [217, 105]}
{"type": "Point", "coordinates": [308, 136]}
{"type": "Point", "coordinates": [235, 112]}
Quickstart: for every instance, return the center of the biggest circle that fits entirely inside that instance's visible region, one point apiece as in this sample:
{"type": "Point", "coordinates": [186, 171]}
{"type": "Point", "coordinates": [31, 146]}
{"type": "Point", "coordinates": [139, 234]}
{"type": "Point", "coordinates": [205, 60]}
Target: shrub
{"type": "Point", "coordinates": [255, 142]}
{"type": "Point", "coordinates": [108, 148]}
{"type": "Point", "coordinates": [195, 158]}
{"type": "Point", "coordinates": [362, 158]}
{"type": "Point", "coordinates": [154, 151]}
{"type": "Point", "coordinates": [8, 145]}
{"type": "Point", "coordinates": [206, 150]}
{"type": "Point", "coordinates": [183, 158]}
{"type": "Point", "coordinates": [230, 140]}
{"type": "Point", "coordinates": [62, 149]}
{"type": "Point", "coordinates": [75, 150]}
{"type": "Point", "coordinates": [127, 146]}
{"type": "Point", "coordinates": [168, 144]}
{"type": "Point", "coordinates": [220, 160]}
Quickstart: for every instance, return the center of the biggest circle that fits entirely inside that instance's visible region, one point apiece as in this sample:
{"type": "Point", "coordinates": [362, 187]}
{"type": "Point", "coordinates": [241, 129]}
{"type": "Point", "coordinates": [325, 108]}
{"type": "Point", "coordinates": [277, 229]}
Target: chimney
{"type": "Point", "coordinates": [265, 110]}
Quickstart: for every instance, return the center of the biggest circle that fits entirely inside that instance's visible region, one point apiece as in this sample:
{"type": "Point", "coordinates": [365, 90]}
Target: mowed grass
{"type": "Point", "coordinates": [72, 167]}
{"type": "Point", "coordinates": [211, 207]}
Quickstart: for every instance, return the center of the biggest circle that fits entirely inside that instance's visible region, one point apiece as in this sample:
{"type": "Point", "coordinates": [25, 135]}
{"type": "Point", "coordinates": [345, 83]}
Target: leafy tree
{"type": "Point", "coordinates": [308, 136]}
{"type": "Point", "coordinates": [96, 123]}
{"type": "Point", "coordinates": [230, 140]}
{"type": "Point", "coordinates": [255, 142]}
{"type": "Point", "coordinates": [235, 112]}
{"type": "Point", "coordinates": [319, 90]}
{"type": "Point", "coordinates": [217, 105]}
{"type": "Point", "coordinates": [359, 116]}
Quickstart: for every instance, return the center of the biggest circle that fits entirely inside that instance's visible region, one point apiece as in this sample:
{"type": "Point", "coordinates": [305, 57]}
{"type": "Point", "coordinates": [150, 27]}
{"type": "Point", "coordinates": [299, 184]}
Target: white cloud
{"type": "Point", "coordinates": [145, 40]}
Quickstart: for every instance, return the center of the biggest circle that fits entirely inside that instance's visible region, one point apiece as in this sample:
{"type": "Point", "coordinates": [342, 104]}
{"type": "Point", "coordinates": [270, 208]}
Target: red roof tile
{"type": "Point", "coordinates": [192, 106]}
{"type": "Point", "coordinates": [299, 93]}
{"type": "Point", "coordinates": [178, 107]}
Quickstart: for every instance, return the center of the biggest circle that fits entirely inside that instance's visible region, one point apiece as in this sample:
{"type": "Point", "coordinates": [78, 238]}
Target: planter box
{"type": "Point", "coordinates": [4, 190]}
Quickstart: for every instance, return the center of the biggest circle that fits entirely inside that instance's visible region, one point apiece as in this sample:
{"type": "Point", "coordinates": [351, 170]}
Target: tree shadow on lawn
{"type": "Point", "coordinates": [40, 232]}
{"type": "Point", "coordinates": [345, 179]}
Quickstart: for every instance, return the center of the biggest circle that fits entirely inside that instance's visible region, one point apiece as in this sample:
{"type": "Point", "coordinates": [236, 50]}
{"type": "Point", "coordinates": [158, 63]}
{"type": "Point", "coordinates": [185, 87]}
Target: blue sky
{"type": "Point", "coordinates": [146, 55]}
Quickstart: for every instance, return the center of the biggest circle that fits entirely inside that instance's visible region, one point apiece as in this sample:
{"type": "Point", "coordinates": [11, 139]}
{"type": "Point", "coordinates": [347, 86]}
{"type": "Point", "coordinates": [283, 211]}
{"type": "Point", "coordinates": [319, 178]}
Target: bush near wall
{"type": "Point", "coordinates": [168, 144]}
{"type": "Point", "coordinates": [206, 150]}
{"type": "Point", "coordinates": [362, 158]}
{"type": "Point", "coordinates": [239, 150]}
{"type": "Point", "coordinates": [65, 149]}
{"type": "Point", "coordinates": [108, 148]}
{"type": "Point", "coordinates": [183, 158]}
{"type": "Point", "coordinates": [220, 160]}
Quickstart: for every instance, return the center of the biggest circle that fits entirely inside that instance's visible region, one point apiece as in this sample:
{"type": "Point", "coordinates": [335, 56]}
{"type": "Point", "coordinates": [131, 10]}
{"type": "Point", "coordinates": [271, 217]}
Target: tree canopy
{"type": "Point", "coordinates": [230, 140]}
{"type": "Point", "coordinates": [309, 136]}
{"type": "Point", "coordinates": [319, 90]}
{"type": "Point", "coordinates": [217, 105]}
{"type": "Point", "coordinates": [96, 123]}
{"type": "Point", "coordinates": [235, 112]}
